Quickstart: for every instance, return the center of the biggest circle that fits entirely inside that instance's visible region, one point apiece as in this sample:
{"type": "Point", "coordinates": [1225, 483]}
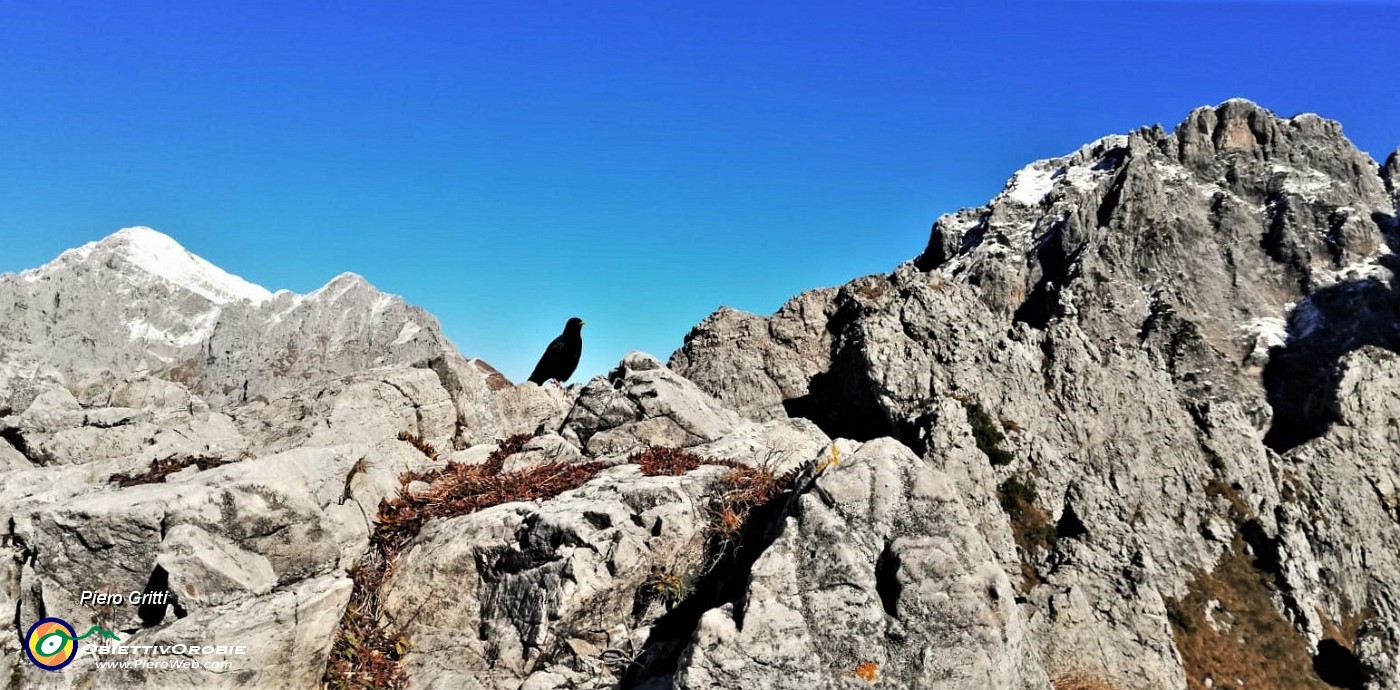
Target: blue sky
{"type": "Point", "coordinates": [507, 165]}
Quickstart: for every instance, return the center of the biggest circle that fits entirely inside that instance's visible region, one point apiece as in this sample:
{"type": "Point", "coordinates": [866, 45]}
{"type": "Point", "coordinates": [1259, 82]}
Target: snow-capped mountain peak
{"type": "Point", "coordinates": [138, 301]}
{"type": "Point", "coordinates": [159, 255]}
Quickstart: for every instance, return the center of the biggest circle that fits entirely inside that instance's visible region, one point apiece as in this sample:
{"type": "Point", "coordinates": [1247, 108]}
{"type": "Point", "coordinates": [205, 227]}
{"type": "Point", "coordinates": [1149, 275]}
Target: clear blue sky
{"type": "Point", "coordinates": [507, 165]}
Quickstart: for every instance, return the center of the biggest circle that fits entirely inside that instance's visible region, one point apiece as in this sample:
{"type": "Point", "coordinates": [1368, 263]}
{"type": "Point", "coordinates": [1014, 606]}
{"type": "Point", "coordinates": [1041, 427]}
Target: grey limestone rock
{"type": "Point", "coordinates": [177, 317]}
{"type": "Point", "coordinates": [1174, 337]}
{"type": "Point", "coordinates": [731, 354]}
{"type": "Point", "coordinates": [642, 402]}
{"type": "Point", "coordinates": [556, 591]}
{"type": "Point", "coordinates": [877, 565]}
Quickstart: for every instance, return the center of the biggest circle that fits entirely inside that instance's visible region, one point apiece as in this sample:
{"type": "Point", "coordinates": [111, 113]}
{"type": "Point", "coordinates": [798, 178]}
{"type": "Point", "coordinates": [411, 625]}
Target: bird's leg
{"type": "Point", "coordinates": [558, 385]}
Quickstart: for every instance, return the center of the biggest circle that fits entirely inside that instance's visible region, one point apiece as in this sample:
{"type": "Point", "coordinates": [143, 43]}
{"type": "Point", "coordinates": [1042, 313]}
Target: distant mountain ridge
{"type": "Point", "coordinates": [138, 301]}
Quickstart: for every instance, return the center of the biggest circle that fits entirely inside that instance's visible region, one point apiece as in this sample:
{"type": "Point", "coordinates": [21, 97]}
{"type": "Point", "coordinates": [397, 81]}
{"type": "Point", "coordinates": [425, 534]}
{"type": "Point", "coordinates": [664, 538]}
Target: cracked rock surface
{"type": "Point", "coordinates": [1183, 341]}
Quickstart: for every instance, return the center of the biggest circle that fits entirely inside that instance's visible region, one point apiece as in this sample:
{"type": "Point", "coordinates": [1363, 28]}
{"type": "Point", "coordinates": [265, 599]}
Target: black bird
{"type": "Point", "coordinates": [560, 359]}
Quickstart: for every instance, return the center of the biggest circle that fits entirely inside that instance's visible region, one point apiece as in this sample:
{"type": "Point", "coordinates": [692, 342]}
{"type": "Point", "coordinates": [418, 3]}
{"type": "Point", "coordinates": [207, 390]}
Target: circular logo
{"type": "Point", "coordinates": [51, 644]}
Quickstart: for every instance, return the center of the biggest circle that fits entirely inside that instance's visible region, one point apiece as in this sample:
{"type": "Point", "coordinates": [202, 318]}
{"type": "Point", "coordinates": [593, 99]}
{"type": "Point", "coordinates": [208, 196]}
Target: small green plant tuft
{"type": "Point", "coordinates": [986, 431]}
{"type": "Point", "coordinates": [667, 587]}
{"type": "Point", "coordinates": [1017, 496]}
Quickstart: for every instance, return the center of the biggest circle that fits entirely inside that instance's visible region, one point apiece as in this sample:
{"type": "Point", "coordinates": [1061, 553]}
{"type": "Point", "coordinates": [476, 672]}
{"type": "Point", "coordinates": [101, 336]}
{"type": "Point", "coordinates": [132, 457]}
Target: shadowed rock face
{"type": "Point", "coordinates": [1160, 321]}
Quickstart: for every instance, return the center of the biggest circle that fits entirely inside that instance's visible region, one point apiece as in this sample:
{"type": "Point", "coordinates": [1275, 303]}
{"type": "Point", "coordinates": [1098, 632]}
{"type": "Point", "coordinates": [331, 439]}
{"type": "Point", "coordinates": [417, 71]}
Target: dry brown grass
{"type": "Point", "coordinates": [728, 522]}
{"type": "Point", "coordinates": [161, 468]}
{"type": "Point", "coordinates": [873, 290]}
{"type": "Point", "coordinates": [459, 489]}
{"type": "Point", "coordinates": [660, 461]}
{"type": "Point", "coordinates": [1079, 680]}
{"type": "Point", "coordinates": [1031, 526]}
{"type": "Point", "coordinates": [366, 653]}
{"type": "Point", "coordinates": [1239, 509]}
{"type": "Point", "coordinates": [1255, 644]}
{"type": "Point", "coordinates": [423, 447]}
{"type": "Point", "coordinates": [741, 489]}
{"type": "Point", "coordinates": [1346, 631]}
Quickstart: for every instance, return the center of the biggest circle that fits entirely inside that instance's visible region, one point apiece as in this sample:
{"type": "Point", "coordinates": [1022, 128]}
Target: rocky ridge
{"type": "Point", "coordinates": [1167, 335]}
{"type": "Point", "coordinates": [1133, 424]}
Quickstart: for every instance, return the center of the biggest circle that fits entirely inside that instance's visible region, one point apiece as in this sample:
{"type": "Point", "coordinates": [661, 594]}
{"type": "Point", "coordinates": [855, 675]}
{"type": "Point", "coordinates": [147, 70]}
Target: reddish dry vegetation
{"type": "Point", "coordinates": [366, 653]}
{"type": "Point", "coordinates": [1030, 525]}
{"type": "Point", "coordinates": [162, 468]}
{"type": "Point", "coordinates": [423, 447]}
{"type": "Point", "coordinates": [741, 489]}
{"type": "Point", "coordinates": [671, 461]}
{"type": "Point", "coordinates": [744, 488]}
{"type": "Point", "coordinates": [1254, 644]}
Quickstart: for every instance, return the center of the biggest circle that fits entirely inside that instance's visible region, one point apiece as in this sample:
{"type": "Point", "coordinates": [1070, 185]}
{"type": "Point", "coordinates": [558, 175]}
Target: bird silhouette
{"type": "Point", "coordinates": [560, 359]}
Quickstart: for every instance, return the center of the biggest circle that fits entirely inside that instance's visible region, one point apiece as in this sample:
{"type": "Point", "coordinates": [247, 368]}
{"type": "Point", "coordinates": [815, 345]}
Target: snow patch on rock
{"type": "Point", "coordinates": [161, 256]}
{"type": "Point", "coordinates": [1030, 185]}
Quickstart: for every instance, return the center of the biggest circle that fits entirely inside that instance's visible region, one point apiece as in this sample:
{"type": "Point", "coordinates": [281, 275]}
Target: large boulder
{"type": "Point", "coordinates": [556, 594]}
{"type": "Point", "coordinates": [876, 572]}
{"type": "Point", "coordinates": [644, 403]}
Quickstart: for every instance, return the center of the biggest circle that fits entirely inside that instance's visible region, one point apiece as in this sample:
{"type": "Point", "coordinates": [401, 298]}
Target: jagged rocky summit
{"type": "Point", "coordinates": [1133, 424]}
{"type": "Point", "coordinates": [1176, 354]}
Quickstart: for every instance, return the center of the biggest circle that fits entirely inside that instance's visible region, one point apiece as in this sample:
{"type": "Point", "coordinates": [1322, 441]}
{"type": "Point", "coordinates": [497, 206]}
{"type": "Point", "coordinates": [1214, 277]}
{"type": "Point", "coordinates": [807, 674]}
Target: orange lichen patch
{"type": "Point", "coordinates": [366, 653]}
{"type": "Point", "coordinates": [161, 468]}
{"type": "Point", "coordinates": [1250, 642]}
{"type": "Point", "coordinates": [867, 671]}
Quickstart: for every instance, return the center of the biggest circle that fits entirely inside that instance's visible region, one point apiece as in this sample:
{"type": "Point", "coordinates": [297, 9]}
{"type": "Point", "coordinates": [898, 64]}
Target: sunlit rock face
{"type": "Point", "coordinates": [1186, 340]}
{"type": "Point", "coordinates": [1135, 423]}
